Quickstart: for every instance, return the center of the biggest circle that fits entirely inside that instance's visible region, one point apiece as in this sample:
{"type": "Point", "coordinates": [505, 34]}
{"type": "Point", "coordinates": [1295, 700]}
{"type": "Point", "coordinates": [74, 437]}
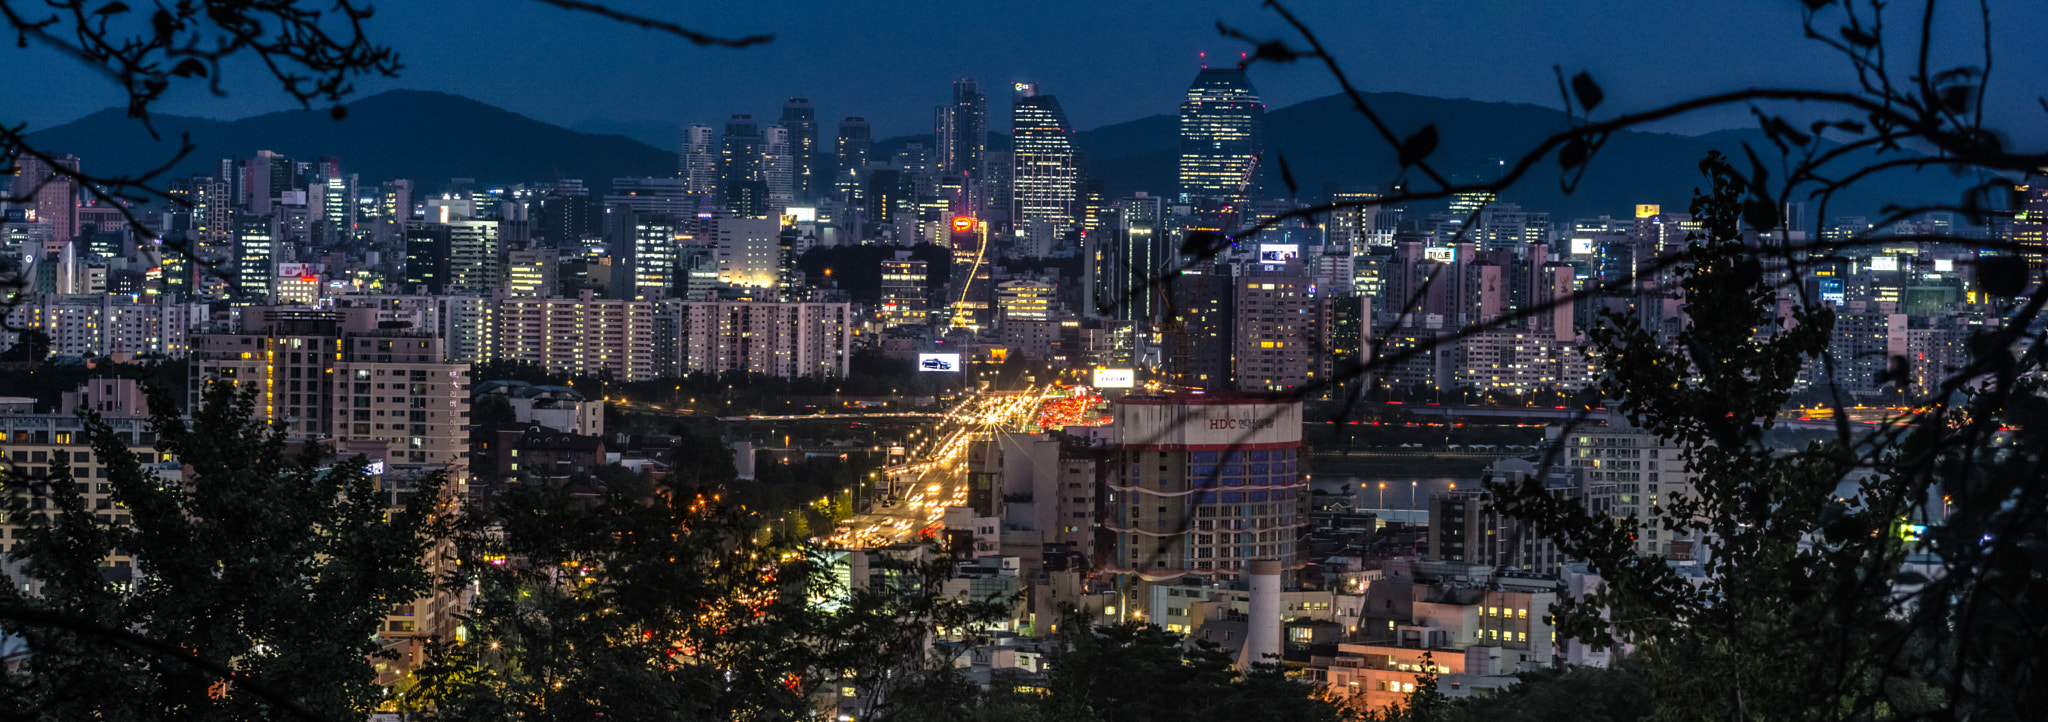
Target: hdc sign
{"type": "Point", "coordinates": [1227, 424]}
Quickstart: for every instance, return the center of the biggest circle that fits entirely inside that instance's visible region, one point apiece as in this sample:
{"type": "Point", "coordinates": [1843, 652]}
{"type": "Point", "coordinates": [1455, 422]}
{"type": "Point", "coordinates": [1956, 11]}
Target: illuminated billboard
{"type": "Point", "coordinates": [938, 362]}
{"type": "Point", "coordinates": [1832, 290]}
{"type": "Point", "coordinates": [1884, 263]}
{"type": "Point", "coordinates": [1278, 252]}
{"type": "Point", "coordinates": [1115, 378]}
{"type": "Point", "coordinates": [1582, 246]}
{"type": "Point", "coordinates": [1441, 254]}
{"type": "Point", "coordinates": [962, 224]}
{"type": "Point", "coordinates": [1648, 210]}
{"type": "Point", "coordinates": [1944, 265]}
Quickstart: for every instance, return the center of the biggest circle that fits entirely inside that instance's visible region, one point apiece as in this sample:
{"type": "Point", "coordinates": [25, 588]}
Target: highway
{"type": "Point", "coordinates": [935, 477]}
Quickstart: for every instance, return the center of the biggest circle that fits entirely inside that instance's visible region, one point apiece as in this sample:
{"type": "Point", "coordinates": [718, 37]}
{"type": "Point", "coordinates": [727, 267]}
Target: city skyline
{"type": "Point", "coordinates": [434, 409]}
{"type": "Point", "coordinates": [1484, 51]}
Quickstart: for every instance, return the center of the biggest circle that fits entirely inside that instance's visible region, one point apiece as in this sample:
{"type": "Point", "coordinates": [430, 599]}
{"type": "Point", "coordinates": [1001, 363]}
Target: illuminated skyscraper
{"type": "Point", "coordinates": [739, 162]}
{"type": "Point", "coordinates": [2030, 222]}
{"type": "Point", "coordinates": [801, 120]}
{"type": "Point", "coordinates": [255, 252]}
{"type": "Point", "coordinates": [210, 212]}
{"type": "Point", "coordinates": [1045, 181]}
{"type": "Point", "coordinates": [700, 160]}
{"type": "Point", "coordinates": [778, 167]}
{"type": "Point", "coordinates": [855, 143]}
{"type": "Point", "coordinates": [962, 129]}
{"type": "Point", "coordinates": [1220, 137]}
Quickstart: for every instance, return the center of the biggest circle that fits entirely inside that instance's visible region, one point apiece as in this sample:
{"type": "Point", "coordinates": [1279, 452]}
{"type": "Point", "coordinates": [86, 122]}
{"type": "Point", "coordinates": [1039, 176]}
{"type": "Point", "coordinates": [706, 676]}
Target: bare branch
{"type": "Point", "coordinates": [648, 23]}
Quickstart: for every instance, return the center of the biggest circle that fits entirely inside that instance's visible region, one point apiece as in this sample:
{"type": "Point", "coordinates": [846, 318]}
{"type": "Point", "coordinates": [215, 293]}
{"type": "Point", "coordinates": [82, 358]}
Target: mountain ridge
{"type": "Point", "coordinates": [431, 136]}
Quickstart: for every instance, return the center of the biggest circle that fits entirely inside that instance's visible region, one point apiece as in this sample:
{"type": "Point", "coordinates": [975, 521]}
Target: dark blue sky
{"type": "Point", "coordinates": [1107, 61]}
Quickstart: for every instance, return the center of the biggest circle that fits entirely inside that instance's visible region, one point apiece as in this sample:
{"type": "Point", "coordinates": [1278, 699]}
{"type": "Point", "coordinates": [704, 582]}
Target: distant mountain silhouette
{"type": "Point", "coordinates": [430, 137]}
{"type": "Point", "coordinates": [427, 137]}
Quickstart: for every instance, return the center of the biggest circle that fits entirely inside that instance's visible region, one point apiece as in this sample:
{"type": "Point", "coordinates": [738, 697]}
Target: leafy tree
{"type": "Point", "coordinates": [492, 410]}
{"type": "Point", "coordinates": [260, 578]}
{"type": "Point", "coordinates": [886, 640]}
{"type": "Point", "coordinates": [32, 346]}
{"type": "Point", "coordinates": [516, 370]}
{"type": "Point", "coordinates": [1134, 672]}
{"type": "Point", "coordinates": [1798, 566]}
{"type": "Point", "coordinates": [625, 606]}
{"type": "Point", "coordinates": [701, 461]}
{"type": "Point", "coordinates": [1617, 693]}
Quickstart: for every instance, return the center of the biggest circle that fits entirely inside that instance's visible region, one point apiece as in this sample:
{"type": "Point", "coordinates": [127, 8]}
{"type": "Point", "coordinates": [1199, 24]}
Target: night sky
{"type": "Point", "coordinates": [1108, 62]}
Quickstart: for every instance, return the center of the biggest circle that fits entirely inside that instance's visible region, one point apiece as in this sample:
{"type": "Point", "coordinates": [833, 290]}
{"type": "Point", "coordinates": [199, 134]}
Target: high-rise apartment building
{"type": "Point", "coordinates": [103, 324]}
{"type": "Point", "coordinates": [801, 120]}
{"type": "Point", "coordinates": [699, 161]}
{"type": "Point", "coordinates": [1629, 472]}
{"type": "Point", "coordinates": [1204, 484]}
{"type": "Point", "coordinates": [335, 374]}
{"type": "Point", "coordinates": [583, 335]}
{"type": "Point", "coordinates": [211, 213]}
{"type": "Point", "coordinates": [1279, 343]}
{"type": "Point", "coordinates": [1220, 137]}
{"type": "Point", "coordinates": [961, 129]}
{"type": "Point", "coordinates": [35, 442]}
{"type": "Point", "coordinates": [788, 340]}
{"type": "Point", "coordinates": [1045, 180]}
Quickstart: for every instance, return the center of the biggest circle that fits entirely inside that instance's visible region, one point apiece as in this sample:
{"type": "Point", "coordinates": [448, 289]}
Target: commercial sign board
{"type": "Point", "coordinates": [1278, 252]}
{"type": "Point", "coordinates": [938, 362]}
{"type": "Point", "coordinates": [1115, 378]}
{"type": "Point", "coordinates": [1198, 423]}
{"type": "Point", "coordinates": [1441, 254]}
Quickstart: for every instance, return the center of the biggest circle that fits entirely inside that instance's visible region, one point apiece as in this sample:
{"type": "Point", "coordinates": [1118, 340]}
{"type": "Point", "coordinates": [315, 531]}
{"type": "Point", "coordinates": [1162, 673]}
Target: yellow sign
{"type": "Point", "coordinates": [1648, 210]}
